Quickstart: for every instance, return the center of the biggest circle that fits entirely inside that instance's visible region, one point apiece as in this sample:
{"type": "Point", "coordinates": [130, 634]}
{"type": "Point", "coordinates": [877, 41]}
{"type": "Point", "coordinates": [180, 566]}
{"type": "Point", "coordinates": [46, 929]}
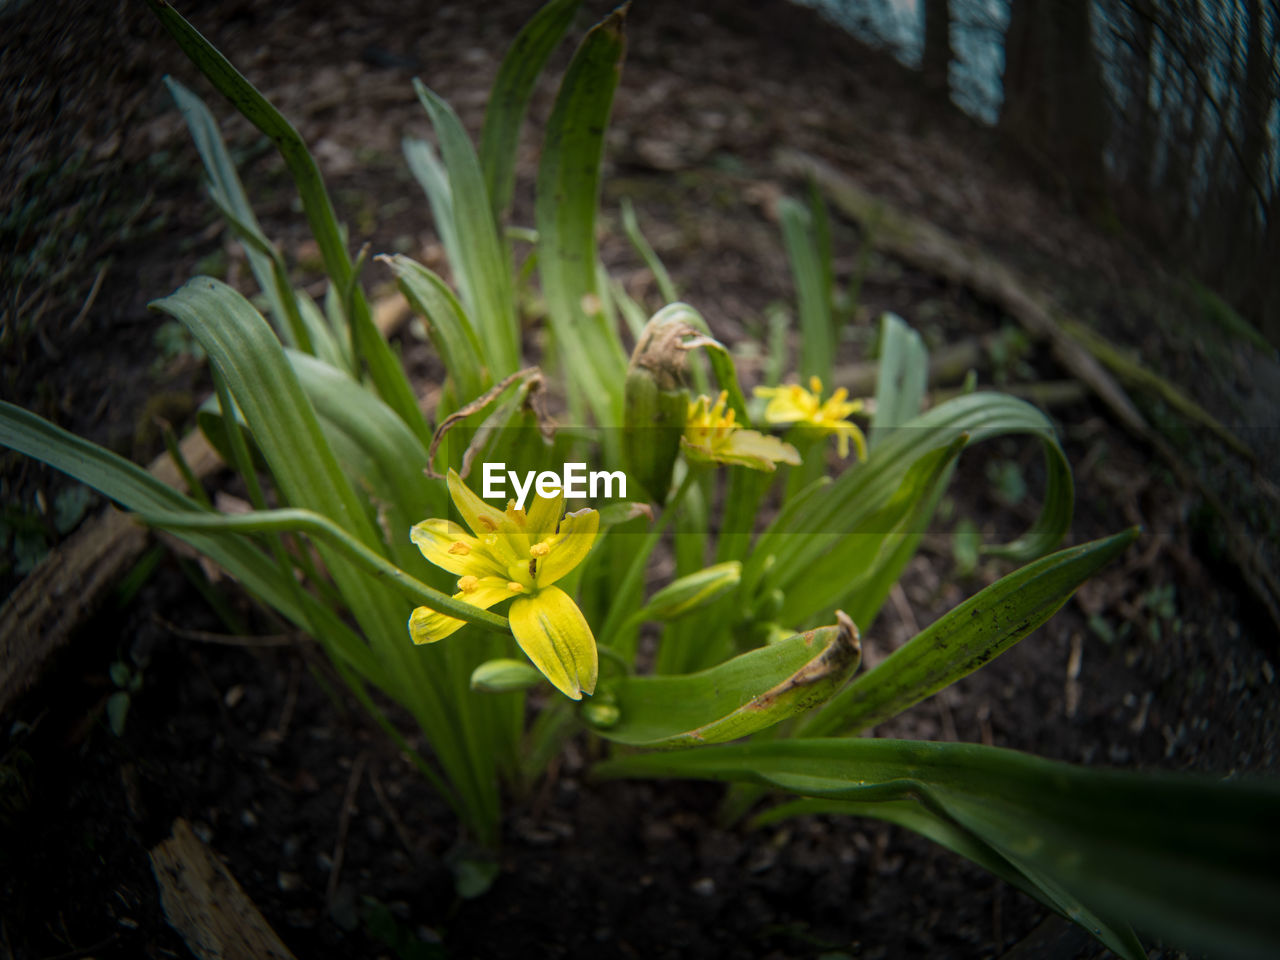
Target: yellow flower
{"type": "Point", "coordinates": [712, 436]}
{"type": "Point", "coordinates": [793, 404]}
{"type": "Point", "coordinates": [516, 554]}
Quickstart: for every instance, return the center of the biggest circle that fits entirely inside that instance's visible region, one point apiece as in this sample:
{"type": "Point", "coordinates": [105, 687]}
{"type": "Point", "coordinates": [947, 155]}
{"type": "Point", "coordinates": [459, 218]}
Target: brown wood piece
{"type": "Point", "coordinates": [203, 902]}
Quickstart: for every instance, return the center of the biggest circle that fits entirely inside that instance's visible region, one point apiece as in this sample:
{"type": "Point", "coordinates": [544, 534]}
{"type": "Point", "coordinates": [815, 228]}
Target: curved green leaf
{"type": "Point", "coordinates": [384, 367]}
{"type": "Point", "coordinates": [901, 376]}
{"type": "Point", "coordinates": [509, 98]}
{"type": "Point", "coordinates": [488, 289]}
{"type": "Point", "coordinates": [856, 503]}
{"type": "Point", "coordinates": [137, 490]}
{"type": "Point", "coordinates": [752, 691]}
{"type": "Point", "coordinates": [447, 324]}
{"type": "Point", "coordinates": [1188, 858]}
{"type": "Point", "coordinates": [966, 638]}
{"type": "Point", "coordinates": [568, 191]}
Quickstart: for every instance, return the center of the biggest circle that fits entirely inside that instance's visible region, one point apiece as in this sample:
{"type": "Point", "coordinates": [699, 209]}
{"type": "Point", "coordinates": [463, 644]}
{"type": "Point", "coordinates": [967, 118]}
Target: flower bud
{"type": "Point", "coordinates": [656, 403]}
{"type": "Point", "coordinates": [694, 591]}
{"type": "Point", "coordinates": [503, 676]}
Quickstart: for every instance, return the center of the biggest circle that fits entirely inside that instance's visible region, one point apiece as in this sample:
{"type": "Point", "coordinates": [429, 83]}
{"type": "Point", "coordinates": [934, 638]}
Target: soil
{"type": "Point", "coordinates": [1162, 662]}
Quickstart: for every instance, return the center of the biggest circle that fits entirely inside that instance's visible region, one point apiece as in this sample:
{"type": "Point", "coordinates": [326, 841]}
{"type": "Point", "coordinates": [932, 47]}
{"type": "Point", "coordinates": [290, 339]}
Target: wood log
{"type": "Point", "coordinates": [203, 902]}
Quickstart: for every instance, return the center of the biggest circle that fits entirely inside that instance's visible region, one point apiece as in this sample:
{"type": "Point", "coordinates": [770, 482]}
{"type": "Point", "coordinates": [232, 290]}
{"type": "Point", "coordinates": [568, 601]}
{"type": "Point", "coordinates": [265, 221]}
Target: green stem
{"type": "Point", "coordinates": [614, 622]}
{"type": "Point", "coordinates": [305, 521]}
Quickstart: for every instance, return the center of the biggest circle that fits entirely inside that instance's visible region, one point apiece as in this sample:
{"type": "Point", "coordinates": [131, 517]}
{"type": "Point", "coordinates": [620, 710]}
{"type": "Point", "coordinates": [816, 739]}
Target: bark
{"type": "Point", "coordinates": [938, 55]}
{"type": "Point", "coordinates": [1054, 101]}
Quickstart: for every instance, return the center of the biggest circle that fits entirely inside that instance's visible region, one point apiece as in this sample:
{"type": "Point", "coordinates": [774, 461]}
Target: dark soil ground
{"type": "Point", "coordinates": [1163, 662]}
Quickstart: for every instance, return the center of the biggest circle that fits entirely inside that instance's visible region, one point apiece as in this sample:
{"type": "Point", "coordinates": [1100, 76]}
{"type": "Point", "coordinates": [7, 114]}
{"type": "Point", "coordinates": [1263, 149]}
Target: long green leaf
{"type": "Point", "coordinates": [509, 98]}
{"type": "Point", "coordinates": [384, 368]}
{"type": "Point", "coordinates": [488, 289]}
{"type": "Point", "coordinates": [447, 324]}
{"type": "Point", "coordinates": [136, 489]}
{"type": "Point", "coordinates": [1187, 858]}
{"type": "Point", "coordinates": [568, 192]}
{"type": "Point", "coordinates": [966, 638]}
{"type": "Point", "coordinates": [314, 525]}
{"type": "Point", "coordinates": [229, 196]}
{"type": "Point", "coordinates": [874, 551]}
{"type": "Point", "coordinates": [287, 431]}
{"type": "Point", "coordinates": [956, 838]}
{"type": "Point", "coordinates": [901, 377]}
{"type": "Point", "coordinates": [750, 692]}
{"type": "Point", "coordinates": [797, 543]}
{"type": "Point", "coordinates": [817, 335]}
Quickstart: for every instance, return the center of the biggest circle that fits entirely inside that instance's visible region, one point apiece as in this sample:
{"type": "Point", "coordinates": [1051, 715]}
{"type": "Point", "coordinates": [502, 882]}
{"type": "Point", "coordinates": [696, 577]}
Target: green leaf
{"type": "Point", "coordinates": [384, 368]}
{"type": "Point", "coordinates": [800, 540]}
{"type": "Point", "coordinates": [966, 638]}
{"type": "Point", "coordinates": [884, 531]}
{"type": "Point", "coordinates": [631, 225]}
{"type": "Point", "coordinates": [229, 197]}
{"type": "Point", "coordinates": [1188, 858]}
{"type": "Point", "coordinates": [136, 489]}
{"type": "Point", "coordinates": [752, 691]}
{"type": "Point", "coordinates": [447, 324]}
{"type": "Point", "coordinates": [308, 522]}
{"type": "Point", "coordinates": [389, 463]}
{"type": "Point", "coordinates": [509, 98]}
{"type": "Point", "coordinates": [901, 377]}
{"type": "Point", "coordinates": [568, 192]}
{"type": "Point", "coordinates": [246, 354]}
{"type": "Point", "coordinates": [817, 333]}
{"type": "Point", "coordinates": [488, 290]}
{"type": "Point", "coordinates": [117, 711]}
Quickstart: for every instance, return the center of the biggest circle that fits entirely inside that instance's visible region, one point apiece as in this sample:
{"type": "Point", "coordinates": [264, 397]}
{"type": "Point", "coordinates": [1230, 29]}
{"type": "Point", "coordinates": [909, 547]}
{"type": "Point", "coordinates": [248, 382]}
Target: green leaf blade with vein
{"type": "Point", "coordinates": [966, 638]}
{"type": "Point", "coordinates": [287, 431]}
{"type": "Point", "coordinates": [137, 490]}
{"type": "Point", "coordinates": [1188, 858]}
{"type": "Point", "coordinates": [370, 347]}
{"type": "Point", "coordinates": [817, 334]}
{"type": "Point", "coordinates": [509, 98]}
{"type": "Point", "coordinates": [448, 326]}
{"type": "Point", "coordinates": [491, 298]}
{"type": "Point", "coordinates": [901, 376]}
{"type": "Point", "coordinates": [750, 692]}
{"type": "Point", "coordinates": [568, 191]}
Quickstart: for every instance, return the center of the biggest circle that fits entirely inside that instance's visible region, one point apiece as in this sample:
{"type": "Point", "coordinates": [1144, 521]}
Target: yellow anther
{"type": "Point", "coordinates": [815, 384]}
{"type": "Point", "coordinates": [460, 548]}
{"type": "Point", "coordinates": [515, 587]}
{"type": "Point", "coordinates": [487, 522]}
{"type": "Point", "coordinates": [540, 549]}
{"type": "Point", "coordinates": [468, 584]}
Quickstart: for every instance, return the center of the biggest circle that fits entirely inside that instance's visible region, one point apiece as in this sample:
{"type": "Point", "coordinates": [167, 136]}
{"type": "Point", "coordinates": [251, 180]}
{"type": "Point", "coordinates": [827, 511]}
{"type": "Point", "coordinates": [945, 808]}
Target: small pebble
{"type": "Point", "coordinates": [203, 831]}
{"type": "Point", "coordinates": [248, 818]}
{"type": "Point", "coordinates": [287, 880]}
{"type": "Point", "coordinates": [234, 695]}
{"type": "Point", "coordinates": [704, 887]}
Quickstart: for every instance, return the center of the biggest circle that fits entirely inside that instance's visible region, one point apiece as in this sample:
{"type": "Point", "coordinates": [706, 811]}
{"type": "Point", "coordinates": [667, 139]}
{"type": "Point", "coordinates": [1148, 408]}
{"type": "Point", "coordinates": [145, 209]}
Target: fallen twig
{"type": "Point", "coordinates": [203, 902]}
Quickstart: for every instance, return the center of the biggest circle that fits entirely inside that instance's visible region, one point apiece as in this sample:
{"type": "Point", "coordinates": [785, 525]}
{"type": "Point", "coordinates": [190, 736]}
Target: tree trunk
{"type": "Point", "coordinates": [1054, 100]}
{"type": "Point", "coordinates": [938, 55]}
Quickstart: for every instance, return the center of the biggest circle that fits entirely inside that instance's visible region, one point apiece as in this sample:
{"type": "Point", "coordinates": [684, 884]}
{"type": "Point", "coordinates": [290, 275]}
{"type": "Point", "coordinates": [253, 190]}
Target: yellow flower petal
{"type": "Point", "coordinates": [480, 517]}
{"type": "Point", "coordinates": [428, 626]}
{"type": "Point", "coordinates": [569, 547]}
{"type": "Point", "coordinates": [451, 548]}
{"type": "Point", "coordinates": [554, 634]}
{"type": "Point", "coordinates": [543, 514]}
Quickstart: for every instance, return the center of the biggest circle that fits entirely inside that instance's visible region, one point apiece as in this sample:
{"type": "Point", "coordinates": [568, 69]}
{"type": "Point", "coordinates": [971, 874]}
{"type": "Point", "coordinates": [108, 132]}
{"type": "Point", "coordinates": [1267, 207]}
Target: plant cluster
{"type": "Point", "coordinates": [467, 612]}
